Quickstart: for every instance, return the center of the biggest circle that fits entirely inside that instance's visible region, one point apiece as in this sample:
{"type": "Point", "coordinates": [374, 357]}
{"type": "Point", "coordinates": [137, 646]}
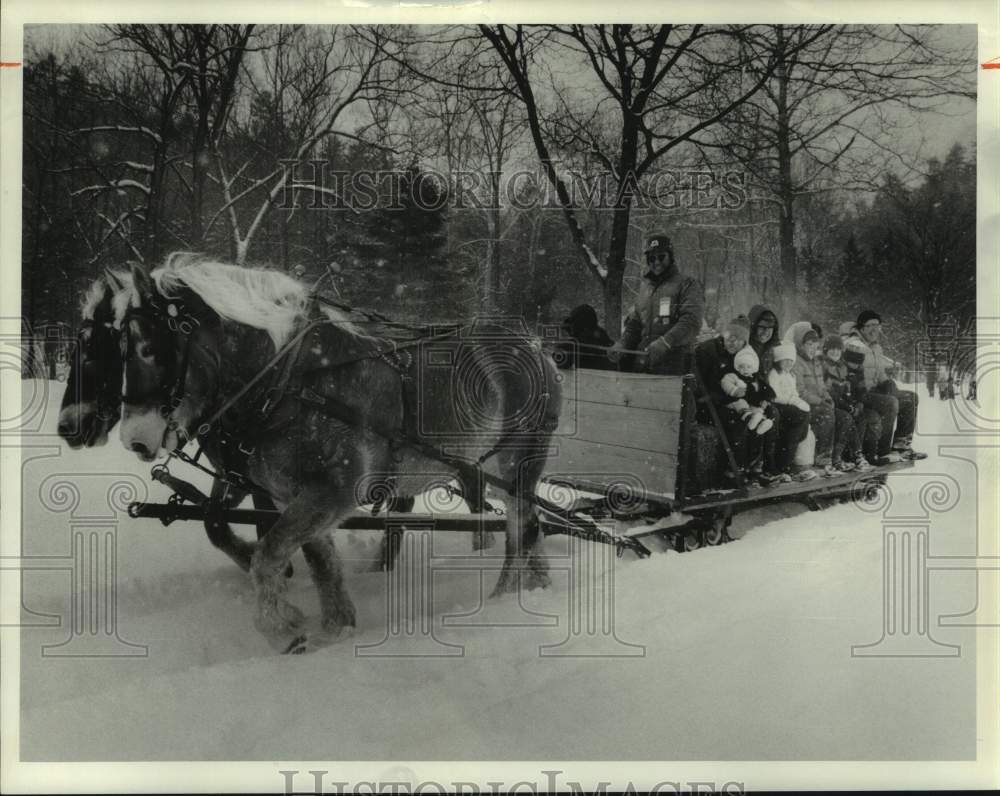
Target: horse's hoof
{"type": "Point", "coordinates": [280, 620]}
{"type": "Point", "coordinates": [508, 583]}
{"type": "Point", "coordinates": [536, 579]}
{"type": "Point", "coordinates": [297, 646]}
{"type": "Point", "coordinates": [311, 642]}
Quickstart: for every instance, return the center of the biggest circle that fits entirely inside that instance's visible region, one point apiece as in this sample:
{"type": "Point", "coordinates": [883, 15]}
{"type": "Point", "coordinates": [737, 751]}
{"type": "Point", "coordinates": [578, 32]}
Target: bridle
{"type": "Point", "coordinates": [104, 339]}
{"type": "Point", "coordinates": [169, 323]}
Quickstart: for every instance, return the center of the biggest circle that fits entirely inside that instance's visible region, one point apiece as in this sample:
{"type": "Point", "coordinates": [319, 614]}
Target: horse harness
{"type": "Point", "coordinates": [292, 369]}
{"type": "Point", "coordinates": [288, 382]}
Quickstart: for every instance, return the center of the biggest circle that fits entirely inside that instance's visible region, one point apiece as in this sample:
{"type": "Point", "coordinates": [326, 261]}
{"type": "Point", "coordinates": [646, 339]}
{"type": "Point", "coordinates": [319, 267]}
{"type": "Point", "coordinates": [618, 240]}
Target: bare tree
{"type": "Point", "coordinates": [831, 111]}
{"type": "Point", "coordinates": [651, 80]}
{"type": "Point", "coordinates": [309, 80]}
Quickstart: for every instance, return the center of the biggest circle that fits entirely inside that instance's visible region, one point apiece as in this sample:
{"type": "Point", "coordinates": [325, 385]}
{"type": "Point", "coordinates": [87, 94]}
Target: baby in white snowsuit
{"type": "Point", "coordinates": [751, 397]}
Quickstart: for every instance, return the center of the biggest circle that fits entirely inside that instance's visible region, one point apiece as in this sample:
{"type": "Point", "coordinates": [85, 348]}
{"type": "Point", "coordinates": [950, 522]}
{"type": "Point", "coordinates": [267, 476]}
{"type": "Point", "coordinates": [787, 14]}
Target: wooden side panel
{"type": "Point", "coordinates": [618, 427]}
{"type": "Point", "coordinates": [640, 390]}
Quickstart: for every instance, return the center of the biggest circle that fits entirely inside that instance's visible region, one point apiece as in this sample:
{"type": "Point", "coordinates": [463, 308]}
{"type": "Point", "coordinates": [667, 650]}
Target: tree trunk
{"type": "Point", "coordinates": [615, 263]}
{"type": "Point", "coordinates": [492, 283]}
{"type": "Point", "coordinates": [622, 214]}
{"type": "Point", "coordinates": [786, 191]}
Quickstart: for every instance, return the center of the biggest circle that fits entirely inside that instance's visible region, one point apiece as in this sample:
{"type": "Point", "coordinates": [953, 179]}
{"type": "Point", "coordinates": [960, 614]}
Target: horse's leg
{"type": "Point", "coordinates": [220, 533]}
{"type": "Point", "coordinates": [335, 605]}
{"type": "Point", "coordinates": [538, 562]}
{"type": "Point", "coordinates": [264, 503]}
{"type": "Point", "coordinates": [525, 562]}
{"type": "Point", "coordinates": [472, 493]}
{"type": "Point", "coordinates": [315, 509]}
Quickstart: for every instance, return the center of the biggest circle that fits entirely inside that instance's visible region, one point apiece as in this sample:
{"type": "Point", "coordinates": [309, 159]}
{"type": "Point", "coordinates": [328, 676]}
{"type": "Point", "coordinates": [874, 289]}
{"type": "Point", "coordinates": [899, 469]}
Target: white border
{"type": "Point", "coordinates": [262, 776]}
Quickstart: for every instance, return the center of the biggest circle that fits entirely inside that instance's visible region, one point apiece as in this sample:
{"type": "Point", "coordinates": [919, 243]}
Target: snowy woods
{"type": "Point", "coordinates": [434, 173]}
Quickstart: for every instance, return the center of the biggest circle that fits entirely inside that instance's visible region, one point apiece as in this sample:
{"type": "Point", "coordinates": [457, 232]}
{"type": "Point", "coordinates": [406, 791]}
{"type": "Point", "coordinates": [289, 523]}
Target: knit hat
{"type": "Point", "coordinates": [846, 328]}
{"type": "Point", "coordinates": [746, 357]}
{"type": "Point", "coordinates": [868, 315]}
{"type": "Point", "coordinates": [742, 321]}
{"type": "Point", "coordinates": [784, 351]}
{"type": "Point", "coordinates": [659, 244]}
{"type": "Point", "coordinates": [832, 341]}
{"type": "Point", "coordinates": [739, 326]}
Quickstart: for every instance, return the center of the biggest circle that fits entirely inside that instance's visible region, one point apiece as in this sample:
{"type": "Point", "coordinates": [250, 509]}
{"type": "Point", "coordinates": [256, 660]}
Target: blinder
{"type": "Point", "coordinates": [99, 360]}
{"type": "Point", "coordinates": [162, 328]}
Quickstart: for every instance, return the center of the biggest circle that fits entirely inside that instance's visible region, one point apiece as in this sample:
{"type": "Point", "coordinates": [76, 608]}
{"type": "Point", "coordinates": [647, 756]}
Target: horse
{"type": "Point", "coordinates": [91, 406]}
{"type": "Point", "coordinates": [91, 403]}
{"type": "Point", "coordinates": [327, 414]}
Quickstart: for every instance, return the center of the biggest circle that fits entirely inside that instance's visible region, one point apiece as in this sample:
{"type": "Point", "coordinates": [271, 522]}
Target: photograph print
{"type": "Point", "coordinates": [498, 392]}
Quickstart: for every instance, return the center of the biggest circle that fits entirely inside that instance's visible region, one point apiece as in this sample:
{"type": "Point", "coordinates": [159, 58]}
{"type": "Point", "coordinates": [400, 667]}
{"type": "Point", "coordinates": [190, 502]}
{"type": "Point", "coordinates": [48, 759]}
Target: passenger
{"type": "Point", "coordinates": [875, 411]}
{"type": "Point", "coordinates": [824, 419]}
{"type": "Point", "coordinates": [791, 424]}
{"type": "Point", "coordinates": [667, 315]}
{"type": "Point", "coordinates": [751, 399]}
{"type": "Point", "coordinates": [787, 400]}
{"type": "Point", "coordinates": [847, 448]}
{"type": "Point", "coordinates": [763, 335]}
{"type": "Point", "coordinates": [582, 327]}
{"type": "Point", "coordinates": [755, 405]}
{"type": "Point", "coordinates": [878, 371]}
{"type": "Point", "coordinates": [714, 359]}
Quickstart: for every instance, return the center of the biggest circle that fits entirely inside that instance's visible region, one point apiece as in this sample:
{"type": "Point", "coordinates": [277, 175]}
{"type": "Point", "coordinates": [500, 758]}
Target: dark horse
{"type": "Point", "coordinates": [329, 415]}
{"type": "Point", "coordinates": [91, 406]}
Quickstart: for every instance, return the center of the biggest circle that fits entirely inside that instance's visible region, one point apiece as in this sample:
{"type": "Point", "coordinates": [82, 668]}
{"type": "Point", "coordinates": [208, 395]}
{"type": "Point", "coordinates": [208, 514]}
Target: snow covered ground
{"type": "Point", "coordinates": [739, 652]}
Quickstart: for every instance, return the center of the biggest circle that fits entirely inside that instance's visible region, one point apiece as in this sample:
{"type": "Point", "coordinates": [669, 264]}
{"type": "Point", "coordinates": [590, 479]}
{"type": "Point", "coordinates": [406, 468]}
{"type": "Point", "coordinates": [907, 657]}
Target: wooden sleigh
{"type": "Point", "coordinates": [628, 458]}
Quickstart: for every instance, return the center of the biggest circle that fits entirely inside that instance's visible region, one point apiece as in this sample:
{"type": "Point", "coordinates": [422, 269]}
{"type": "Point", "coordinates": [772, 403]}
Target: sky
{"type": "Point", "coordinates": [922, 135]}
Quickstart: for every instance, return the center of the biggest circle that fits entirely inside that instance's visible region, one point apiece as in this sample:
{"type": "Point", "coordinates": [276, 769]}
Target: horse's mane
{"type": "Point", "coordinates": [98, 291]}
{"type": "Point", "coordinates": [262, 298]}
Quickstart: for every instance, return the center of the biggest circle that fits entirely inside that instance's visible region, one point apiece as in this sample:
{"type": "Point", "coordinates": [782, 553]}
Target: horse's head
{"type": "Point", "coordinates": [170, 345]}
{"type": "Point", "coordinates": [92, 401]}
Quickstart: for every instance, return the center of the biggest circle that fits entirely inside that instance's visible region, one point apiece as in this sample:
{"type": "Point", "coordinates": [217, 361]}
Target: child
{"type": "Point", "coordinates": [782, 383]}
{"type": "Point", "coordinates": [830, 425]}
{"type": "Point", "coordinates": [753, 407]}
{"type": "Point", "coordinates": [752, 397]}
{"type": "Point", "coordinates": [762, 417]}
{"type": "Point", "coordinates": [847, 446]}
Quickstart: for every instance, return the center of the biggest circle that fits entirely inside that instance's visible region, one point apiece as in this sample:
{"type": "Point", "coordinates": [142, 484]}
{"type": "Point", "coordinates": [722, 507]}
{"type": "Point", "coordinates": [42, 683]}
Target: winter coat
{"type": "Point", "coordinates": [713, 362]}
{"type": "Point", "coordinates": [808, 372]}
{"type": "Point", "coordinates": [876, 363]}
{"type": "Point", "coordinates": [582, 326]}
{"type": "Point", "coordinates": [764, 351]}
{"type": "Point", "coordinates": [837, 383]}
{"type": "Point", "coordinates": [671, 308]}
{"type": "Point", "coordinates": [785, 392]}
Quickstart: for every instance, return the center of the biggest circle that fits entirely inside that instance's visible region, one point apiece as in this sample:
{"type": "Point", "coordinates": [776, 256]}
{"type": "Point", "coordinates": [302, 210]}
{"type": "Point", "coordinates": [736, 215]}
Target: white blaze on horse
{"type": "Point", "coordinates": [329, 415]}
{"type": "Point", "coordinates": [91, 404]}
